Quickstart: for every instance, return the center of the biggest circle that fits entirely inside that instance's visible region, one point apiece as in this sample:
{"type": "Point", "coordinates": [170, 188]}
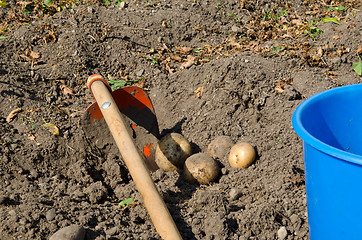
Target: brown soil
{"type": "Point", "coordinates": [246, 88]}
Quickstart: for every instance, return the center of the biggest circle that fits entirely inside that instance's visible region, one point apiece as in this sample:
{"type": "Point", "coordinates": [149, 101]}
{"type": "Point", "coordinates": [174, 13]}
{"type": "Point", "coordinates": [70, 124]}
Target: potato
{"type": "Point", "coordinates": [220, 147]}
{"type": "Point", "coordinates": [241, 155]}
{"type": "Point", "coordinates": [201, 168]}
{"type": "Point", "coordinates": [172, 151]}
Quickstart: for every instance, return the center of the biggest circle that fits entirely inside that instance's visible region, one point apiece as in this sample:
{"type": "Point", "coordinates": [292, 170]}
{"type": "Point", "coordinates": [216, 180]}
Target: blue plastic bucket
{"type": "Point", "coordinates": [330, 125]}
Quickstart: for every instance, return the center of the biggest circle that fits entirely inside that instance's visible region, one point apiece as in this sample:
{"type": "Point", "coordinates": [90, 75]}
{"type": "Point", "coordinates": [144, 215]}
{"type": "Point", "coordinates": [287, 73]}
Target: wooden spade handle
{"type": "Point", "coordinates": [153, 201]}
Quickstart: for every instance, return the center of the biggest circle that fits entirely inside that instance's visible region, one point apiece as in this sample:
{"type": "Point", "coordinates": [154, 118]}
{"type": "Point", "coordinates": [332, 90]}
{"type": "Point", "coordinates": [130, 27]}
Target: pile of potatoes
{"type": "Point", "coordinates": [174, 152]}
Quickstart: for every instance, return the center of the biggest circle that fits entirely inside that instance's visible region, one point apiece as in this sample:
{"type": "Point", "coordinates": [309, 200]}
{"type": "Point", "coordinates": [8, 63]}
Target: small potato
{"type": "Point", "coordinates": [220, 147]}
{"type": "Point", "coordinates": [241, 155]}
{"type": "Point", "coordinates": [172, 151]}
{"type": "Point", "coordinates": [201, 168]}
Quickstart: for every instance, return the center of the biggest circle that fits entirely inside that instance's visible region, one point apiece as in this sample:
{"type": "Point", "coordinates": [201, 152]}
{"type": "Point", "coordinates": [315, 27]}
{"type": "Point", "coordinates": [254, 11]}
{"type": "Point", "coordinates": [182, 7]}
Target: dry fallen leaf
{"type": "Point", "coordinates": [336, 37]}
{"type": "Point", "coordinates": [152, 50]}
{"type": "Point", "coordinates": [219, 48]}
{"type": "Point", "coordinates": [33, 110]}
{"type": "Point", "coordinates": [183, 49]}
{"type": "Point", "coordinates": [342, 51]}
{"type": "Point", "coordinates": [65, 90]}
{"type": "Point", "coordinates": [34, 55]}
{"type": "Point", "coordinates": [331, 73]}
{"type": "Point", "coordinates": [208, 49]}
{"type": "Point", "coordinates": [50, 37]}
{"type": "Point", "coordinates": [320, 52]}
{"type": "Point", "coordinates": [24, 57]}
{"type": "Point", "coordinates": [199, 91]}
{"type": "Point", "coordinates": [12, 114]}
{"type": "Point", "coordinates": [279, 89]}
{"type": "Point", "coordinates": [168, 68]}
{"type": "Point", "coordinates": [297, 22]}
{"type": "Point", "coordinates": [312, 12]}
{"type": "Point", "coordinates": [176, 57]}
{"type": "Point", "coordinates": [280, 85]}
{"type": "Point", "coordinates": [359, 49]}
{"type": "Point", "coordinates": [23, 3]}
{"type": "Point", "coordinates": [32, 138]}
{"type": "Point", "coordinates": [52, 128]}
{"type": "Point", "coordinates": [189, 62]}
{"type": "Point", "coordinates": [164, 24]}
{"type": "Point", "coordinates": [29, 55]}
{"type": "Point", "coordinates": [204, 60]}
{"type": "Point", "coordinates": [242, 3]}
{"type": "Point", "coordinates": [233, 43]}
{"type": "Point", "coordinates": [315, 58]}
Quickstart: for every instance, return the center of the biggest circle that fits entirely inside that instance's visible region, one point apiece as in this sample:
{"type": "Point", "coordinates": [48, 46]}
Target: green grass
{"type": "Point", "coordinates": [277, 49]}
{"type": "Point", "coordinates": [273, 15]}
{"type": "Point", "coordinates": [116, 84]}
{"type": "Point", "coordinates": [338, 9]}
{"type": "Point", "coordinates": [313, 31]}
{"type": "Point", "coordinates": [357, 66]}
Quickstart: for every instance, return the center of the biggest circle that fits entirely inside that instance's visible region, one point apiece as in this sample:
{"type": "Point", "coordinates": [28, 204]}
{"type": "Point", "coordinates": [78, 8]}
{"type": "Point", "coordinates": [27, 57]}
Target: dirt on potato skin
{"type": "Point", "coordinates": [84, 182]}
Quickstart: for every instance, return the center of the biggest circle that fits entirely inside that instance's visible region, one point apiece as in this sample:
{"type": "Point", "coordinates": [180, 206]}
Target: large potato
{"type": "Point", "coordinates": [172, 151]}
{"type": "Point", "coordinates": [201, 168]}
{"type": "Point", "coordinates": [220, 147]}
{"type": "Point", "coordinates": [242, 155]}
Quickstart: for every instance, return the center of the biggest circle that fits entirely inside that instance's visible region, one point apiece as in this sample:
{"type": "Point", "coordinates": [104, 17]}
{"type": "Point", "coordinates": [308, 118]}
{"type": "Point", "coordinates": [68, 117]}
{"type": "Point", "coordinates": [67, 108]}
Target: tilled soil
{"type": "Point", "coordinates": [50, 181]}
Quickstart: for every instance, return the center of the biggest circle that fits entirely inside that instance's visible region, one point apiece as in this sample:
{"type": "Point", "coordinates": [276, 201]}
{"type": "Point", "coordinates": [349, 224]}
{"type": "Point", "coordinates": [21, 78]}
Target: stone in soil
{"type": "Point", "coordinates": [235, 194]}
{"type": "Point", "coordinates": [282, 233]}
{"type": "Point", "coordinates": [72, 232]}
{"type": "Point", "coordinates": [50, 215]}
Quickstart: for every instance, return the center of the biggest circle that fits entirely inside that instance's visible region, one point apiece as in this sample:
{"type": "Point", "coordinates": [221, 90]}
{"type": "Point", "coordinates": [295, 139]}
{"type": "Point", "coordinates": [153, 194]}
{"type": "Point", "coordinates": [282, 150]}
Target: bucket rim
{"type": "Point", "coordinates": [314, 142]}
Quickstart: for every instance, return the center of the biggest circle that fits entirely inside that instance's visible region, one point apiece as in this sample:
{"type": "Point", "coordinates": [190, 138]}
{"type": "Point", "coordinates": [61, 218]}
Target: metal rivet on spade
{"type": "Point", "coordinates": [106, 105]}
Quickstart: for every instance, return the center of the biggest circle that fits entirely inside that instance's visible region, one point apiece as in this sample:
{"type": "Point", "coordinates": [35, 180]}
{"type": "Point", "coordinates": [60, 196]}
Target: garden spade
{"type": "Point", "coordinates": [134, 104]}
{"type": "Point", "coordinates": [141, 121]}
